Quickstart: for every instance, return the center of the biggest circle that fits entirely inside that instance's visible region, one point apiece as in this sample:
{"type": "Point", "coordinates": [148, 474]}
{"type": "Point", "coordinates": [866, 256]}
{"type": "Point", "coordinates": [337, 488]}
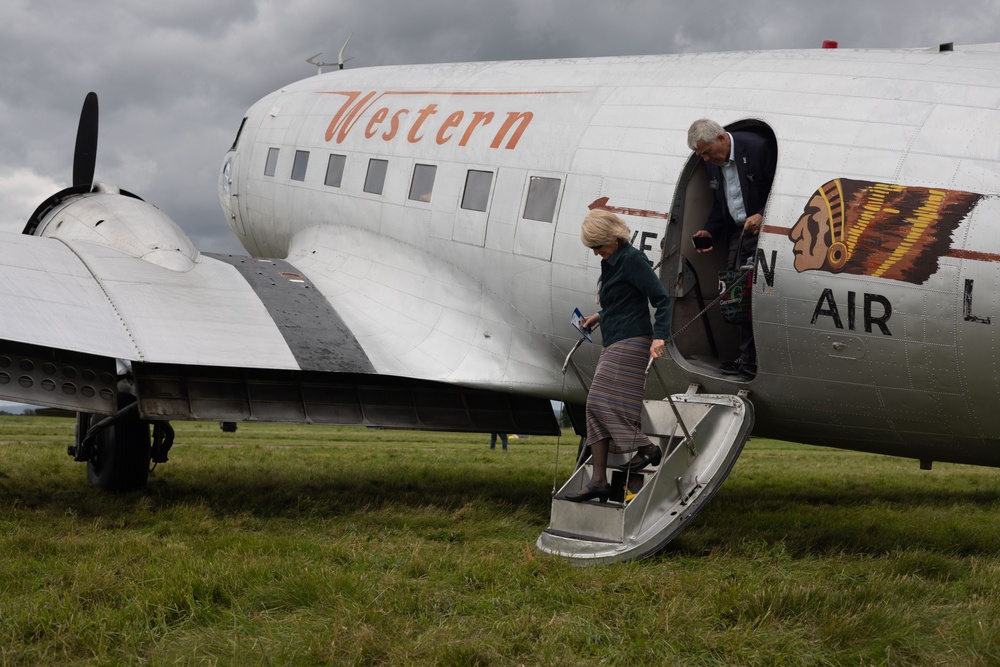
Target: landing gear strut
{"type": "Point", "coordinates": [117, 449]}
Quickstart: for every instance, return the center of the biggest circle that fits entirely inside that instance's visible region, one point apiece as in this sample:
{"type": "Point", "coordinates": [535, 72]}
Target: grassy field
{"type": "Point", "coordinates": [281, 545]}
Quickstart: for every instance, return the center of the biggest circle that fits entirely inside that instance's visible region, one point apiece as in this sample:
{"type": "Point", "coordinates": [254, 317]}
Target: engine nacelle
{"type": "Point", "coordinates": [115, 219]}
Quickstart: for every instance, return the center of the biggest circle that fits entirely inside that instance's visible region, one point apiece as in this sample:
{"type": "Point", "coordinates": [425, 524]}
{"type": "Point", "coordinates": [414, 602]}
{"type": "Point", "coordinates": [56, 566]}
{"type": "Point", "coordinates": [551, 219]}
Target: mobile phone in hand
{"type": "Point", "coordinates": [702, 242]}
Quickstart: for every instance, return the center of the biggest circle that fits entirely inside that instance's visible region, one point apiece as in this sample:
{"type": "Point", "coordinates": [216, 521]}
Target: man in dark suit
{"type": "Point", "coordinates": [740, 168]}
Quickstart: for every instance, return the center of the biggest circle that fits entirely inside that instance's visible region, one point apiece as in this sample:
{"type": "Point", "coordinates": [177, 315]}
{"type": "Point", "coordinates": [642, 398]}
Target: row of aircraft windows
{"type": "Point", "coordinates": [543, 192]}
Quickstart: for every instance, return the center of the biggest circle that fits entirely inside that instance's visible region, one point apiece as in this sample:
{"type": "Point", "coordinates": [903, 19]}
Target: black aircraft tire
{"type": "Point", "coordinates": [121, 455]}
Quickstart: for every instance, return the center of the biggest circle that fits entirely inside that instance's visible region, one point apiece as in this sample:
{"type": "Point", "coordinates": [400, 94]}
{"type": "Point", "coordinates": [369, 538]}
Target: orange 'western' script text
{"type": "Point", "coordinates": [457, 125]}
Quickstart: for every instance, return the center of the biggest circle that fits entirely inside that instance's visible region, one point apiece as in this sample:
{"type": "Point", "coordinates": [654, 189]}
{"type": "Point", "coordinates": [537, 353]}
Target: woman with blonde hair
{"type": "Point", "coordinates": [625, 291]}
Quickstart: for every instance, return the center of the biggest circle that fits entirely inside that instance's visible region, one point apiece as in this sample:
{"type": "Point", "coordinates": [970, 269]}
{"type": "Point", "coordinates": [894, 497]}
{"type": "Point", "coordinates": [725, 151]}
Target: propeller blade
{"type": "Point", "coordinates": [85, 155]}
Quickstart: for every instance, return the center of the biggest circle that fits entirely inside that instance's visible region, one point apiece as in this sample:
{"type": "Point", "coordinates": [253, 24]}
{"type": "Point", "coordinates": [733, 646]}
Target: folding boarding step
{"type": "Point", "coordinates": [667, 496]}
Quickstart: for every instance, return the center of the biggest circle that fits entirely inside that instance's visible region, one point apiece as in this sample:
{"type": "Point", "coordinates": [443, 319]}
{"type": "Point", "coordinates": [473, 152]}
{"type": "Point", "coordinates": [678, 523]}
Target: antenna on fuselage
{"type": "Point", "coordinates": [340, 58]}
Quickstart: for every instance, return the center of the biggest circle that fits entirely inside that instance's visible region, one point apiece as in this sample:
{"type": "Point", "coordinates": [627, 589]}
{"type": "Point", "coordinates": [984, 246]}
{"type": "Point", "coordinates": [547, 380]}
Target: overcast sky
{"type": "Point", "coordinates": [174, 78]}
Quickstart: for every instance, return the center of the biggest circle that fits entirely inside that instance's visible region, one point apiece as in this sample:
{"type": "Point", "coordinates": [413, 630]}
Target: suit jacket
{"type": "Point", "coordinates": [755, 162]}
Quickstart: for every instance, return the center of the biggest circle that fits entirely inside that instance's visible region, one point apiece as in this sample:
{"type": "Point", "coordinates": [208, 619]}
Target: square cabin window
{"type": "Point", "coordinates": [272, 162]}
{"type": "Point", "coordinates": [423, 182]}
{"type": "Point", "coordinates": [375, 180]}
{"type": "Point", "coordinates": [542, 196]}
{"type": "Point", "coordinates": [299, 165]}
{"type": "Point", "coordinates": [477, 190]}
{"type": "Point", "coordinates": [335, 170]}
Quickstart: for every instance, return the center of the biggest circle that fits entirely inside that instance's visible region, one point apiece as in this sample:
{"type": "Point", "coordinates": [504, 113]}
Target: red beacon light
{"type": "Point", "coordinates": [829, 44]}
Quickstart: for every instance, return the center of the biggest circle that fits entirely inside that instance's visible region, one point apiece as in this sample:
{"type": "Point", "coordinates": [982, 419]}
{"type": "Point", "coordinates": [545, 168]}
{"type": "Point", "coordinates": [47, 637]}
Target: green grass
{"type": "Point", "coordinates": [303, 545]}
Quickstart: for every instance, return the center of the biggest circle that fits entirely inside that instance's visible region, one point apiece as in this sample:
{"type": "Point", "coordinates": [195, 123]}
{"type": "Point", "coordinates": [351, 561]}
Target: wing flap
{"type": "Point", "coordinates": [50, 299]}
{"type": "Point", "coordinates": [93, 299]}
{"type": "Point", "coordinates": [208, 315]}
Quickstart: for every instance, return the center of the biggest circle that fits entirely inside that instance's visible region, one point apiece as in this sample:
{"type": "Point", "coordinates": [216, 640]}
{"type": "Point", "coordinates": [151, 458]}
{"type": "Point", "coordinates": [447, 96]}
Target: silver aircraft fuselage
{"type": "Point", "coordinates": [891, 348]}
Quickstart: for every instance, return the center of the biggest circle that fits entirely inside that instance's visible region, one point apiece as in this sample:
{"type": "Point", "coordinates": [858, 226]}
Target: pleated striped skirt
{"type": "Point", "coordinates": [615, 399]}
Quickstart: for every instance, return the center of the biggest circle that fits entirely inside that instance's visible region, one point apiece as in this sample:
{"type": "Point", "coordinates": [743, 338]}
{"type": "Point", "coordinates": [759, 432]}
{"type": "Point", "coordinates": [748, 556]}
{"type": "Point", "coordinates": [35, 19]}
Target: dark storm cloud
{"type": "Point", "coordinates": [174, 78]}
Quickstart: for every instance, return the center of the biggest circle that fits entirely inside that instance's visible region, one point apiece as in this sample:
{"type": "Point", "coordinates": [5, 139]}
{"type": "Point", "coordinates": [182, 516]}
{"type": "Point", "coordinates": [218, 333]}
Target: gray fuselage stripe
{"type": "Point", "coordinates": [315, 333]}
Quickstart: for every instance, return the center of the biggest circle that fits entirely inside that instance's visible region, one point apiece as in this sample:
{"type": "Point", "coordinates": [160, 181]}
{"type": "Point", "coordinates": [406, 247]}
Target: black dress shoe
{"type": "Point", "coordinates": [643, 459]}
{"type": "Point", "coordinates": [743, 365]}
{"type": "Point", "coordinates": [602, 493]}
{"type": "Point", "coordinates": [729, 368]}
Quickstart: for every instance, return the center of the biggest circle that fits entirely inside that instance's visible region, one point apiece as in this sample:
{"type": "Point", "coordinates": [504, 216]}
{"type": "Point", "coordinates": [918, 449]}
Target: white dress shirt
{"type": "Point", "coordinates": [734, 196]}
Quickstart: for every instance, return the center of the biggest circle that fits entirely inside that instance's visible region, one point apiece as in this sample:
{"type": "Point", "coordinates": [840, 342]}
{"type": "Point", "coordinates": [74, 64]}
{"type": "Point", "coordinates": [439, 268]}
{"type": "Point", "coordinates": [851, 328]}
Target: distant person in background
{"type": "Point", "coordinates": [626, 289]}
{"type": "Point", "coordinates": [503, 440]}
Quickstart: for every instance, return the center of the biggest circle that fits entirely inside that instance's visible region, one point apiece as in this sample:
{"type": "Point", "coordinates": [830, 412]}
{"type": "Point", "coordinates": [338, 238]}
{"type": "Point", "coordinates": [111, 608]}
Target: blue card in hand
{"type": "Point", "coordinates": [576, 319]}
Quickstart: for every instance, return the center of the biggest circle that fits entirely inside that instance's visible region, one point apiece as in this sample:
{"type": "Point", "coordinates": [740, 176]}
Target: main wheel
{"type": "Point", "coordinates": [121, 454]}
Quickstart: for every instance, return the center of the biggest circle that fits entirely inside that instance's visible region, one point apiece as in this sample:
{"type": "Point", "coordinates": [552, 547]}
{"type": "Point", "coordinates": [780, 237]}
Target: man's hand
{"type": "Point", "coordinates": [753, 224]}
{"type": "Point", "coordinates": [702, 234]}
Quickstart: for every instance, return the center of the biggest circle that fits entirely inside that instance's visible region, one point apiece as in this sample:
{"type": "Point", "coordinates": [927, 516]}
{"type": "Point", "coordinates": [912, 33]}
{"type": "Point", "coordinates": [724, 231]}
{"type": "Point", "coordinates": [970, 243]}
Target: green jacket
{"type": "Point", "coordinates": [627, 287]}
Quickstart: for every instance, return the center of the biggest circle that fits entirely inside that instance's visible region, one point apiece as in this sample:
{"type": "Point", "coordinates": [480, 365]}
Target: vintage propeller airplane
{"type": "Point", "coordinates": [414, 257]}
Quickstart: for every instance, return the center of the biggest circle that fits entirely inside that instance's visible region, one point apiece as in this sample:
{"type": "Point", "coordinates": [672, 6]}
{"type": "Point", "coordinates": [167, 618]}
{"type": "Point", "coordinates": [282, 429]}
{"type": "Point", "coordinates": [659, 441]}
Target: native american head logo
{"type": "Point", "coordinates": [878, 229]}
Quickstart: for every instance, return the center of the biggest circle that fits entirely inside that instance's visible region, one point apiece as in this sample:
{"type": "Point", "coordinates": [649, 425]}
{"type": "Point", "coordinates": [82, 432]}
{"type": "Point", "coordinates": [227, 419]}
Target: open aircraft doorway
{"type": "Point", "coordinates": [701, 335]}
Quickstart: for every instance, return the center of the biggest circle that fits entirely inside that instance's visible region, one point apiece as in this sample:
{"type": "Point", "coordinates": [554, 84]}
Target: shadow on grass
{"type": "Point", "coordinates": [280, 495]}
{"type": "Point", "coordinates": [843, 519]}
{"type": "Point", "coordinates": [750, 516]}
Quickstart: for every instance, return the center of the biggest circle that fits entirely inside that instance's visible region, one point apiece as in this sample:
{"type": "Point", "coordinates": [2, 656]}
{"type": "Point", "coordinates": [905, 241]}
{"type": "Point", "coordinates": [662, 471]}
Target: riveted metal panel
{"type": "Point", "coordinates": [57, 378]}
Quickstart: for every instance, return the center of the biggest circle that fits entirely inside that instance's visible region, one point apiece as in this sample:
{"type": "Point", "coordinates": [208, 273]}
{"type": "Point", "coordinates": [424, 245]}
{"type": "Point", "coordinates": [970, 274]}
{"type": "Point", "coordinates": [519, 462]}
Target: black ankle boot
{"type": "Point", "coordinates": [644, 458]}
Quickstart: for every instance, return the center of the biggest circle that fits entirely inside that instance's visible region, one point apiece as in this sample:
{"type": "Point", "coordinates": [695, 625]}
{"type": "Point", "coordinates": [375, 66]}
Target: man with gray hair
{"type": "Point", "coordinates": [740, 168]}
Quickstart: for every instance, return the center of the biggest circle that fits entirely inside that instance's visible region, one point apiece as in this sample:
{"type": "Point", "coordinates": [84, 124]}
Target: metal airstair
{"type": "Point", "coordinates": [700, 436]}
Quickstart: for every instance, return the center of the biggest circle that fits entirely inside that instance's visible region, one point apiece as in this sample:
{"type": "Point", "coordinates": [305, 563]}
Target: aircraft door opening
{"type": "Point", "coordinates": [709, 344]}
